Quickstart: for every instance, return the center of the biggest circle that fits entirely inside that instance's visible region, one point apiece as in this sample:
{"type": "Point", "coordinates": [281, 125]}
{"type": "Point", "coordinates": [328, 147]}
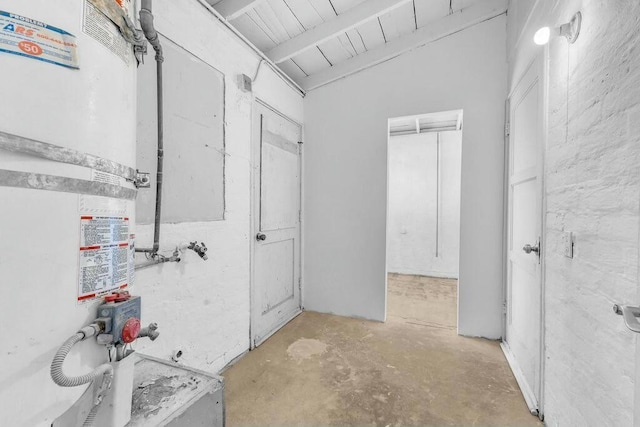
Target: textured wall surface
{"type": "Point", "coordinates": [423, 228]}
{"type": "Point", "coordinates": [203, 307]}
{"type": "Point", "coordinates": [346, 173]}
{"type": "Point", "coordinates": [592, 184]}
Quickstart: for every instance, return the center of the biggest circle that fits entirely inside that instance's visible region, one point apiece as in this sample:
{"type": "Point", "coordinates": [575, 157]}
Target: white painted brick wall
{"type": "Point", "coordinates": [202, 307]}
{"type": "Point", "coordinates": [592, 179]}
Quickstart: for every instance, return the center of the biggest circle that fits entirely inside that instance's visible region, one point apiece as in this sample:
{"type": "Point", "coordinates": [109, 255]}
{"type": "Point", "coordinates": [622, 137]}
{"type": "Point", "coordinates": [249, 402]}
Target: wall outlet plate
{"type": "Point", "coordinates": [567, 243]}
{"type": "Point", "coordinates": [245, 83]}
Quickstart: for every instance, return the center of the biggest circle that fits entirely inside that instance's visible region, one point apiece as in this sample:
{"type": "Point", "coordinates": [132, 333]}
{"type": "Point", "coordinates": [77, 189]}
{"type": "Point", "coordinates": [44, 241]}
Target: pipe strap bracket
{"type": "Point", "coordinates": [56, 153]}
{"type": "Point", "coordinates": [36, 181]}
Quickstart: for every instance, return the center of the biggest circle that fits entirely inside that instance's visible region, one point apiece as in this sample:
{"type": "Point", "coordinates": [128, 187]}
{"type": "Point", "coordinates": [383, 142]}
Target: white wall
{"type": "Point", "coordinates": [592, 175]}
{"type": "Point", "coordinates": [423, 227]}
{"type": "Point", "coordinates": [346, 173]}
{"type": "Point", "coordinates": [201, 307]}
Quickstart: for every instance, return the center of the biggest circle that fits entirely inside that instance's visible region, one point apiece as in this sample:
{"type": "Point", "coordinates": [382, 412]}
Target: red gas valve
{"type": "Point", "coordinates": [131, 330]}
{"type": "Point", "coordinates": [119, 296]}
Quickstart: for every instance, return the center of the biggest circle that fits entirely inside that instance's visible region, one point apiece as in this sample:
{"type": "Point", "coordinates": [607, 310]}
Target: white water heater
{"type": "Point", "coordinates": [67, 164]}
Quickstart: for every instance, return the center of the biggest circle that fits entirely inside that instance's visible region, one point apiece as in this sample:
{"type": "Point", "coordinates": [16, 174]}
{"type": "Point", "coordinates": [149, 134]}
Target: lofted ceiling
{"type": "Point", "coordinates": [318, 41]}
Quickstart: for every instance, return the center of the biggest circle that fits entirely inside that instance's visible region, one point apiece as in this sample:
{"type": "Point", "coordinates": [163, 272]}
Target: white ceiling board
{"type": "Point", "coordinates": [270, 24]}
{"type": "Point", "coordinates": [232, 9]}
{"type": "Point", "coordinates": [324, 9]}
{"type": "Point", "coordinates": [248, 27]}
{"type": "Point", "coordinates": [335, 51]}
{"type": "Point", "coordinates": [461, 4]}
{"type": "Point", "coordinates": [334, 27]}
{"type": "Point", "coordinates": [260, 23]}
{"type": "Point", "coordinates": [358, 41]}
{"type": "Point", "coordinates": [311, 61]}
{"type": "Point", "coordinates": [355, 38]}
{"type": "Point", "coordinates": [399, 22]}
{"type": "Point", "coordinates": [347, 44]}
{"type": "Point", "coordinates": [371, 34]}
{"type": "Point", "coordinates": [292, 70]}
{"type": "Point", "coordinates": [479, 12]}
{"type": "Point", "coordinates": [429, 11]}
{"type": "Point", "coordinates": [343, 5]}
{"type": "Point", "coordinates": [272, 21]}
{"type": "Point", "coordinates": [305, 13]}
{"type": "Point", "coordinates": [286, 17]}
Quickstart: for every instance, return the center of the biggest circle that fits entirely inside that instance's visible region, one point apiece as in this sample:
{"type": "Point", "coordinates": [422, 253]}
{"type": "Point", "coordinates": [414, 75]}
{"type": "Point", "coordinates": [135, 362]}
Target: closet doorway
{"type": "Point", "coordinates": [423, 225]}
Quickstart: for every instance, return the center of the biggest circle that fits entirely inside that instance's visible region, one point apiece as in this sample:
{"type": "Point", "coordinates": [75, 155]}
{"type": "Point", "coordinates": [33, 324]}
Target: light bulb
{"type": "Point", "coordinates": [542, 36]}
{"type": "Point", "coordinates": [570, 30]}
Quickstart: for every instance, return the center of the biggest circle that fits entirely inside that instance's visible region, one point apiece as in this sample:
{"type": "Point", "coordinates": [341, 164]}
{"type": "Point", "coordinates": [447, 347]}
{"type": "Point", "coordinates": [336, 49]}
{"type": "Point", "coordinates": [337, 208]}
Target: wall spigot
{"type": "Point", "coordinates": [150, 331]}
{"type": "Point", "coordinates": [200, 249]}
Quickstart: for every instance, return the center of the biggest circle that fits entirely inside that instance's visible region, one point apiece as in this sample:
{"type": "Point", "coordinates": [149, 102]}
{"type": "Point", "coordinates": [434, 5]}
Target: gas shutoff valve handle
{"type": "Point", "coordinates": [131, 330]}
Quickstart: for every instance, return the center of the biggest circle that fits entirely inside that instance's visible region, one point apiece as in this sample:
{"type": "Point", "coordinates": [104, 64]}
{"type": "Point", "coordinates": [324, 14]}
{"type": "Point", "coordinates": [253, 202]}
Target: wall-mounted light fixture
{"type": "Point", "coordinates": [570, 30]}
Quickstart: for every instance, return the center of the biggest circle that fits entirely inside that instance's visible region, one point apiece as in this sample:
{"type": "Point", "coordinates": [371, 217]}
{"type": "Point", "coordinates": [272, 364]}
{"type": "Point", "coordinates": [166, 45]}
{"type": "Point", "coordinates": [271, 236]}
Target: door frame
{"type": "Point", "coordinates": [255, 151]}
{"type": "Point", "coordinates": [540, 60]}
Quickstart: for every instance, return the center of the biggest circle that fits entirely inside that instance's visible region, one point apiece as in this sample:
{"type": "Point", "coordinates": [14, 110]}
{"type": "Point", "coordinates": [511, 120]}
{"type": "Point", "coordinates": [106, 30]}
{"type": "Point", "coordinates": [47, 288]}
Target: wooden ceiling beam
{"type": "Point", "coordinates": [451, 24]}
{"type": "Point", "coordinates": [231, 9]}
{"type": "Point", "coordinates": [353, 17]}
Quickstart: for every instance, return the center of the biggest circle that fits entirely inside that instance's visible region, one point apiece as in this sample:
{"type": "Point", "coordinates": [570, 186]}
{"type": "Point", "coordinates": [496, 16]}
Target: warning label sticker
{"type": "Point", "coordinates": [101, 28]}
{"type": "Point", "coordinates": [105, 255]}
{"type": "Point", "coordinates": [27, 37]}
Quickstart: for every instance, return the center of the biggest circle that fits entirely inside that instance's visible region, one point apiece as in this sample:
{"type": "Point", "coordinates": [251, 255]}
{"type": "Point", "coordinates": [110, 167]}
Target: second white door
{"type": "Point", "coordinates": [522, 341]}
{"type": "Point", "coordinates": [276, 282]}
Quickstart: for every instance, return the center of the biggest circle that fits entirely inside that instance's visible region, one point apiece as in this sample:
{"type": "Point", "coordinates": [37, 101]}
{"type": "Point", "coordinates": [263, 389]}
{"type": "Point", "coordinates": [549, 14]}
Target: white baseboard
{"type": "Point", "coordinates": [527, 391]}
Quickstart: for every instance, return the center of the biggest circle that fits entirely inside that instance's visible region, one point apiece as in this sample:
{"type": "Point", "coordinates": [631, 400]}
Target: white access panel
{"type": "Point", "coordinates": [194, 146]}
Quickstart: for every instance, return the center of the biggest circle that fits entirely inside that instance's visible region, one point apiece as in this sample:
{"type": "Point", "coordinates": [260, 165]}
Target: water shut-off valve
{"type": "Point", "coordinates": [200, 249]}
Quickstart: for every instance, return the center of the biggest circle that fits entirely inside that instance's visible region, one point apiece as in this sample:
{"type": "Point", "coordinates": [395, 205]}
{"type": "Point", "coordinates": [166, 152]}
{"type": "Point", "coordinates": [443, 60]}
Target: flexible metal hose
{"type": "Point", "coordinates": [104, 371]}
{"type": "Point", "coordinates": [63, 380]}
{"type": "Point", "coordinates": [91, 417]}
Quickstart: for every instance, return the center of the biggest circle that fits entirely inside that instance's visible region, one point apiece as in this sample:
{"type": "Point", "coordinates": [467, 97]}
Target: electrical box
{"type": "Point", "coordinates": [245, 83]}
{"type": "Point", "coordinates": [567, 241]}
{"type": "Point", "coordinates": [125, 319]}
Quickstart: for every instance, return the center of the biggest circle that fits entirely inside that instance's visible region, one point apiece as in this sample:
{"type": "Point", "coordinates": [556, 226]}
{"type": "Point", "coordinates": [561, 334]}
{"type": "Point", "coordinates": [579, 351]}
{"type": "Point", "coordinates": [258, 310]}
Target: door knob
{"type": "Point", "coordinates": [261, 237]}
{"type": "Point", "coordinates": [630, 316]}
{"type": "Point", "coordinates": [528, 248]}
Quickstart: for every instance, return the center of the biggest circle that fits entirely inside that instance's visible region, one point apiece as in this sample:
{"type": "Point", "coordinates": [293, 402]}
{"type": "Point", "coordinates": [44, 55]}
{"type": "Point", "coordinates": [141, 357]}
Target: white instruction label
{"type": "Point", "coordinates": [30, 38]}
{"type": "Point", "coordinates": [105, 258]}
{"type": "Point", "coordinates": [98, 26]}
{"type": "Point", "coordinates": [102, 206]}
{"type": "Point", "coordinates": [107, 178]}
{"type": "Point", "coordinates": [132, 259]}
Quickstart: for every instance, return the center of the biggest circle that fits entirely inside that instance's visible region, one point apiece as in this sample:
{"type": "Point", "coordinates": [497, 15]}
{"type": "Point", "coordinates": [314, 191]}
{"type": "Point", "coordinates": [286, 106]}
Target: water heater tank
{"type": "Point", "coordinates": [67, 151]}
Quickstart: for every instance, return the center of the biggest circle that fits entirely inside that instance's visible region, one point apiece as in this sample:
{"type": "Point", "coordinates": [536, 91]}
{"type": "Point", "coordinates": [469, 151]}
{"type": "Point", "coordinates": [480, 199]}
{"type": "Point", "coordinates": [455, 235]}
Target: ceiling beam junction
{"type": "Point", "coordinates": [451, 24]}
{"type": "Point", "coordinates": [352, 18]}
{"type": "Point", "coordinates": [231, 9]}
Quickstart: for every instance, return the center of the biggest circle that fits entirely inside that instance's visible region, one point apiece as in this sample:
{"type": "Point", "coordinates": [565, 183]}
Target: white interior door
{"type": "Point", "coordinates": [522, 341]}
{"type": "Point", "coordinates": [276, 272]}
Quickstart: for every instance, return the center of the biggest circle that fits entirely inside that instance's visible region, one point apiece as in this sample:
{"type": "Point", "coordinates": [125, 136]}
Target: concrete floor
{"type": "Point", "coordinates": [412, 370]}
